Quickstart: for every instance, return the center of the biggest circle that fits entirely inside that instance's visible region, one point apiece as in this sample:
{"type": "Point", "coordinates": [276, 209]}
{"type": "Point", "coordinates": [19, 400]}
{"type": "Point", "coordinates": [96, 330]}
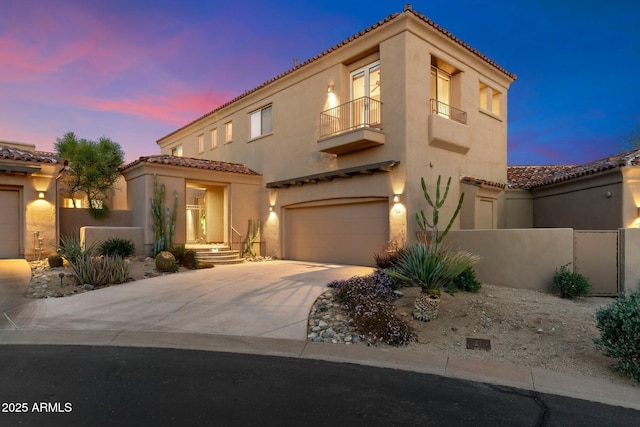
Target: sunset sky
{"type": "Point", "coordinates": [135, 70]}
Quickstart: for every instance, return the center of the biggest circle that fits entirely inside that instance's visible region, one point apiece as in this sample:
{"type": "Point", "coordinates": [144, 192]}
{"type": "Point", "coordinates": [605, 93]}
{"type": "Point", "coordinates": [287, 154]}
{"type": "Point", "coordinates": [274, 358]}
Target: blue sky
{"type": "Point", "coordinates": [137, 70]}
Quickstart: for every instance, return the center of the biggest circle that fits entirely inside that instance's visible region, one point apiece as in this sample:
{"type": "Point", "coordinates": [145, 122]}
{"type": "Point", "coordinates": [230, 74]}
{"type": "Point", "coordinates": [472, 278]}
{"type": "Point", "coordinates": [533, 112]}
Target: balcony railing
{"type": "Point", "coordinates": [442, 109]}
{"type": "Point", "coordinates": [360, 113]}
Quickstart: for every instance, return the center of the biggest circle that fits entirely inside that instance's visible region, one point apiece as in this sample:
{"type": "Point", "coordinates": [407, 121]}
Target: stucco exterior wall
{"type": "Point", "coordinates": [515, 209]}
{"type": "Point", "coordinates": [424, 144]}
{"type": "Point", "coordinates": [521, 259]}
{"type": "Point", "coordinates": [90, 236]}
{"type": "Point", "coordinates": [590, 203]}
{"type": "Point", "coordinates": [73, 219]}
{"type": "Point", "coordinates": [629, 253]}
{"type": "Point", "coordinates": [38, 216]}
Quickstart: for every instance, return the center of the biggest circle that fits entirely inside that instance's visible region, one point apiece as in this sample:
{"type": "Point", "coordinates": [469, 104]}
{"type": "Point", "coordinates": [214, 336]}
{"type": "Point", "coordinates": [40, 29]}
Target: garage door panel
{"type": "Point", "coordinates": [344, 233]}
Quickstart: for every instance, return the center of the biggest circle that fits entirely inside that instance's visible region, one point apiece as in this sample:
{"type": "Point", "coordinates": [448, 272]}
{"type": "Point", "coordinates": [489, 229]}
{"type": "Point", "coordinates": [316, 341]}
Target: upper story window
{"type": "Point", "coordinates": [261, 122]}
{"type": "Point", "coordinates": [214, 138]}
{"type": "Point", "coordinates": [177, 151]}
{"type": "Point", "coordinates": [201, 143]}
{"type": "Point", "coordinates": [490, 99]}
{"type": "Point", "coordinates": [228, 132]}
{"type": "Point", "coordinates": [445, 91]}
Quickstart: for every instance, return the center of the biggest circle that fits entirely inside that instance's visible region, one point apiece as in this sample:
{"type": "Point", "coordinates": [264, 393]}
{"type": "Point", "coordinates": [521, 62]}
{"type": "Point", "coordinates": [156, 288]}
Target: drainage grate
{"type": "Point", "coordinates": [478, 344]}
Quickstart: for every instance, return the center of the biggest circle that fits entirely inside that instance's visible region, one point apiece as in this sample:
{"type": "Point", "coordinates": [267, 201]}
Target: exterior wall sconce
{"type": "Point", "coordinates": [330, 89]}
{"type": "Point", "coordinates": [638, 211]}
{"type": "Point", "coordinates": [396, 199]}
{"type": "Point", "coordinates": [41, 195]}
{"type": "Point", "coordinates": [270, 208]}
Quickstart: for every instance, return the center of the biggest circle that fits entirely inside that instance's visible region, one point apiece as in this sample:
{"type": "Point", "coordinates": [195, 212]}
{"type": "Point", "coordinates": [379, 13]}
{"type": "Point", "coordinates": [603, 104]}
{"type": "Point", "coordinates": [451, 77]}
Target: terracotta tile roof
{"type": "Point", "coordinates": [529, 177]}
{"type": "Point", "coordinates": [189, 162]}
{"type": "Point", "coordinates": [354, 37]}
{"type": "Point", "coordinates": [10, 153]}
{"type": "Point", "coordinates": [481, 182]}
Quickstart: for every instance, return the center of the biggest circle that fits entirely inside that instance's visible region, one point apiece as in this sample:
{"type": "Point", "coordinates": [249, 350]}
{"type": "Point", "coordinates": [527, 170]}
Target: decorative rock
{"type": "Point", "coordinates": [89, 287]}
{"type": "Point", "coordinates": [312, 335]}
{"type": "Point", "coordinates": [322, 324]}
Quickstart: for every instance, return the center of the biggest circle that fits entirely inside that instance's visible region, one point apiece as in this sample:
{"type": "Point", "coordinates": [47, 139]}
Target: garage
{"type": "Point", "coordinates": [9, 224]}
{"type": "Point", "coordinates": [337, 232]}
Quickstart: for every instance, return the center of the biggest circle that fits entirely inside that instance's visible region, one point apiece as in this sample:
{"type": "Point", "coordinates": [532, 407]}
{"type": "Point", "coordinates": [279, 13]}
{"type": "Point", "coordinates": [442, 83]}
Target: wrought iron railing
{"type": "Point", "coordinates": [442, 109]}
{"type": "Point", "coordinates": [359, 113]}
{"type": "Point", "coordinates": [236, 234]}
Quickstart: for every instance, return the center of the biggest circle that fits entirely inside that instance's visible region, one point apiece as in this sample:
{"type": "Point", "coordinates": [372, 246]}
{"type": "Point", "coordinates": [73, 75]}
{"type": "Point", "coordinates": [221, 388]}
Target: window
{"type": "Point", "coordinates": [214, 138]}
{"type": "Point", "coordinates": [201, 143]}
{"type": "Point", "coordinates": [177, 151]}
{"type": "Point", "coordinates": [441, 91]}
{"type": "Point", "coordinates": [490, 99]}
{"type": "Point", "coordinates": [72, 203]}
{"type": "Point", "coordinates": [446, 85]}
{"type": "Point", "coordinates": [228, 132]}
{"type": "Point", "coordinates": [261, 122]}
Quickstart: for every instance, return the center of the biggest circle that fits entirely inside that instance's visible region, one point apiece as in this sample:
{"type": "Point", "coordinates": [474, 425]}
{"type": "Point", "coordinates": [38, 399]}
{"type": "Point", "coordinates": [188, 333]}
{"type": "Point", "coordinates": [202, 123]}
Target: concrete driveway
{"type": "Point", "coordinates": [268, 299]}
{"type": "Point", "coordinates": [15, 275]}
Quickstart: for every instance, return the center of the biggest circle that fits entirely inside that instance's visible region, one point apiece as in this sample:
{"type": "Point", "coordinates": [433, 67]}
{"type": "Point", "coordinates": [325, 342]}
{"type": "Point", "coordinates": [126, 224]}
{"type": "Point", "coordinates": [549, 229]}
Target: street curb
{"type": "Point", "coordinates": [539, 380]}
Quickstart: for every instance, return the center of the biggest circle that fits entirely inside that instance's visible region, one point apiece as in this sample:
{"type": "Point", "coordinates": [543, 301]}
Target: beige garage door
{"type": "Point", "coordinates": [9, 224]}
{"type": "Point", "coordinates": [340, 233]}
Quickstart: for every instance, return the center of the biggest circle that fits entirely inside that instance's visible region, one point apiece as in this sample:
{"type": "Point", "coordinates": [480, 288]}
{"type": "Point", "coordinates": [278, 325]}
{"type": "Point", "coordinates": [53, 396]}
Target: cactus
{"type": "Point", "coordinates": [55, 261]}
{"type": "Point", "coordinates": [252, 235]}
{"type": "Point", "coordinates": [165, 261]}
{"type": "Point", "coordinates": [164, 223]}
{"type": "Point", "coordinates": [425, 226]}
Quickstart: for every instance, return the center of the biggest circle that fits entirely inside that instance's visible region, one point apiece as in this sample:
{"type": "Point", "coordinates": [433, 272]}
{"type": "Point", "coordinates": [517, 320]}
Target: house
{"type": "Point", "coordinates": [29, 222]}
{"type": "Point", "coordinates": [329, 154]}
{"type": "Point", "coordinates": [600, 195]}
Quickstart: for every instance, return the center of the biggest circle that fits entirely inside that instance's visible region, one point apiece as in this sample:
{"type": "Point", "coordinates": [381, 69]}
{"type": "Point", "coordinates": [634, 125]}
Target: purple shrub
{"type": "Point", "coordinates": [368, 299]}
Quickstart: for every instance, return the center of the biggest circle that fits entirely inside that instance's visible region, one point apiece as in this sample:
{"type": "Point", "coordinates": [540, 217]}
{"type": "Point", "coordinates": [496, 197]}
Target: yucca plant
{"type": "Point", "coordinates": [100, 271]}
{"type": "Point", "coordinates": [431, 267]}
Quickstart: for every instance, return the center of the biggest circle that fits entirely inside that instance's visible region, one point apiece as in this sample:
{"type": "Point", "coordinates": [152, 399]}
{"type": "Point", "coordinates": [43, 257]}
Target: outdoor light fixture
{"type": "Point", "coordinates": [270, 208]}
{"type": "Point", "coordinates": [330, 89]}
{"type": "Point", "coordinates": [638, 211]}
{"type": "Point", "coordinates": [41, 195]}
{"type": "Point", "coordinates": [396, 199]}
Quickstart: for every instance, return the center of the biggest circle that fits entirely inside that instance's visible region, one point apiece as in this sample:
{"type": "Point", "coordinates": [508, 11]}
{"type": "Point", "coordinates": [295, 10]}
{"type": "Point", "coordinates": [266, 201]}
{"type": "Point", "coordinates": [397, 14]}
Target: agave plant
{"type": "Point", "coordinates": [431, 266]}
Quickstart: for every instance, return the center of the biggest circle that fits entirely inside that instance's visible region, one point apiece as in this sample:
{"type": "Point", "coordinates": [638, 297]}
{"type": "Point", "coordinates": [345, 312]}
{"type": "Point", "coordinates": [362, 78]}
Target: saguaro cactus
{"type": "Point", "coordinates": [430, 229]}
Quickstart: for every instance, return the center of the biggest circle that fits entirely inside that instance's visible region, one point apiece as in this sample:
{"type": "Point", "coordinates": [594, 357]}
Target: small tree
{"type": "Point", "coordinates": [93, 169]}
{"type": "Point", "coordinates": [634, 138]}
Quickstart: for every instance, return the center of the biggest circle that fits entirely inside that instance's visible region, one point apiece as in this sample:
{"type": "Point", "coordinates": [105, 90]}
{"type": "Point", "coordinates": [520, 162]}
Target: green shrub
{"type": "Point", "coordinates": [165, 261]}
{"type": "Point", "coordinates": [100, 271]}
{"type": "Point", "coordinates": [186, 258]}
{"type": "Point", "coordinates": [570, 284]}
{"type": "Point", "coordinates": [55, 261]}
{"type": "Point", "coordinates": [388, 259]}
{"type": "Point", "coordinates": [70, 248]}
{"type": "Point", "coordinates": [117, 246]}
{"type": "Point", "coordinates": [619, 326]}
{"type": "Point", "coordinates": [466, 281]}
{"type": "Point", "coordinates": [431, 266]}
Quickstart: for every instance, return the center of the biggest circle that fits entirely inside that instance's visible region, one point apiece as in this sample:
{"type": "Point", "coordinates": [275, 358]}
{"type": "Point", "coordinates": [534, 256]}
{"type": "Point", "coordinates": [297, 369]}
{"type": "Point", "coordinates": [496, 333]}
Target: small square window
{"type": "Point", "coordinates": [177, 151]}
{"type": "Point", "coordinates": [490, 99]}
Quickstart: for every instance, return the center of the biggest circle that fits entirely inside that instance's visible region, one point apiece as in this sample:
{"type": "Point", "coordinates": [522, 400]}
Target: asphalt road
{"type": "Point", "coordinates": [82, 385]}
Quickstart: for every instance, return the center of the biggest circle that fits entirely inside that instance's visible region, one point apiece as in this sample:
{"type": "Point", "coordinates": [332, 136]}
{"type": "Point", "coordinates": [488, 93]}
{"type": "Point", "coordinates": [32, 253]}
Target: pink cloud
{"type": "Point", "coordinates": [176, 110]}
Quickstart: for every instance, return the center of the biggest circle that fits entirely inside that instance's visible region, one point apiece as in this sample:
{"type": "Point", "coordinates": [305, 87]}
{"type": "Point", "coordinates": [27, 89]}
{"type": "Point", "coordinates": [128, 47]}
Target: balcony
{"type": "Point", "coordinates": [442, 109]}
{"type": "Point", "coordinates": [351, 127]}
{"type": "Point", "coordinates": [448, 129]}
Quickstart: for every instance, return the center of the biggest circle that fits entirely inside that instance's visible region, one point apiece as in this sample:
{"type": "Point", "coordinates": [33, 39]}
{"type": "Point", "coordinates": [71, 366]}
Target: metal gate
{"type": "Point", "coordinates": [595, 256]}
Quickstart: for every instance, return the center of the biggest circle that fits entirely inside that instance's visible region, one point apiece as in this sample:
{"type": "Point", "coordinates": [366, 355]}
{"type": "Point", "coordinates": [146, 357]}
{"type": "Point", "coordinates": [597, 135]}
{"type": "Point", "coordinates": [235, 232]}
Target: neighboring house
{"type": "Point", "coordinates": [329, 154]}
{"type": "Point", "coordinates": [600, 195]}
{"type": "Point", "coordinates": [29, 220]}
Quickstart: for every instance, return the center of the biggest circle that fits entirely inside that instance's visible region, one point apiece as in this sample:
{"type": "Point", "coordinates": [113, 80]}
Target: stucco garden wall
{"type": "Point", "coordinates": [94, 235]}
{"type": "Point", "coordinates": [72, 219]}
{"type": "Point", "coordinates": [522, 259]}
